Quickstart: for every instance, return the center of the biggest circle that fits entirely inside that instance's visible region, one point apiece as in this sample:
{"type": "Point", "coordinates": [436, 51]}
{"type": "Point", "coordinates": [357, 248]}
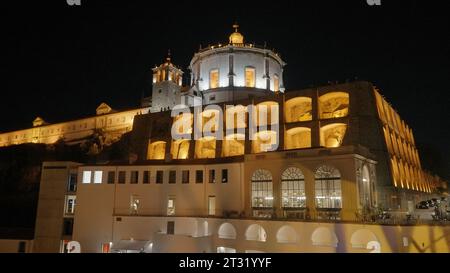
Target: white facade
{"type": "Point", "coordinates": [236, 71]}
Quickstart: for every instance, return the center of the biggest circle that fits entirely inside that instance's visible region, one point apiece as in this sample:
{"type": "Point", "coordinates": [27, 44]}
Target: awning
{"type": "Point", "coordinates": [130, 245]}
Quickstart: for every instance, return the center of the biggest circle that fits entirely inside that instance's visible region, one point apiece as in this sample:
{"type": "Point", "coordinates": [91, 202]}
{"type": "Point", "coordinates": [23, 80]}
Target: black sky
{"type": "Point", "coordinates": [61, 61]}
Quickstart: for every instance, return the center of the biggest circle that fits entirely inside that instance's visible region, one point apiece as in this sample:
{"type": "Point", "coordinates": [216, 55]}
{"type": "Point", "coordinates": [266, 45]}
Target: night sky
{"type": "Point", "coordinates": [60, 62]}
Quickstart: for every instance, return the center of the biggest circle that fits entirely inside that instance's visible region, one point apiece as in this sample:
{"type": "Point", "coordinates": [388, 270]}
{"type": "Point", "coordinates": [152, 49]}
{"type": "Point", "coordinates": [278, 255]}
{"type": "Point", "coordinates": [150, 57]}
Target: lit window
{"type": "Point", "coordinates": [276, 83]}
{"type": "Point", "coordinates": [333, 105]}
{"type": "Point", "coordinates": [171, 206]}
{"type": "Point", "coordinates": [332, 135]}
{"type": "Point", "coordinates": [180, 149]}
{"type": "Point", "coordinates": [156, 150]}
{"type": "Point", "coordinates": [297, 138]}
{"type": "Point", "coordinates": [233, 145]}
{"type": "Point", "coordinates": [205, 147]}
{"type": "Point", "coordinates": [87, 177]}
{"type": "Point", "coordinates": [298, 109]}
{"type": "Point", "coordinates": [98, 177]}
{"type": "Point", "coordinates": [249, 77]}
{"type": "Point", "coordinates": [214, 78]}
{"type": "Point", "coordinates": [328, 188]}
{"type": "Point", "coordinates": [293, 188]}
{"type": "Point", "coordinates": [135, 203]}
{"type": "Point", "coordinates": [70, 204]}
{"type": "Point", "coordinates": [262, 189]}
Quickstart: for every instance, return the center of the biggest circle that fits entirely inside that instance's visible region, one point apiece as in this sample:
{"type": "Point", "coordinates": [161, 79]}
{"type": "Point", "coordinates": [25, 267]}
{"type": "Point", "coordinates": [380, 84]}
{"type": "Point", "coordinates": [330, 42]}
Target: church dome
{"type": "Point", "coordinates": [236, 37]}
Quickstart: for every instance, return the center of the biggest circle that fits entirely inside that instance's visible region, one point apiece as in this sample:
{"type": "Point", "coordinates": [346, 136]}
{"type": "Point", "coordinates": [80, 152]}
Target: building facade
{"type": "Point", "coordinates": [255, 169]}
{"type": "Point", "coordinates": [112, 124]}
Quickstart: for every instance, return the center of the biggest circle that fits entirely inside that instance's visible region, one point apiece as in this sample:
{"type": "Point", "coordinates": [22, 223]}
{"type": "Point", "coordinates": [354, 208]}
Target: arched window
{"type": "Point", "coordinates": [180, 149]}
{"type": "Point", "coordinates": [293, 188]}
{"type": "Point", "coordinates": [156, 150]}
{"type": "Point", "coordinates": [276, 83]}
{"type": "Point", "coordinates": [235, 117]}
{"type": "Point", "coordinates": [205, 147]}
{"type": "Point", "coordinates": [298, 109]}
{"type": "Point", "coordinates": [328, 188]}
{"type": "Point", "coordinates": [297, 138]}
{"type": "Point", "coordinates": [233, 145]}
{"type": "Point", "coordinates": [266, 113]}
{"type": "Point", "coordinates": [332, 135]}
{"type": "Point", "coordinates": [264, 141]}
{"type": "Point", "coordinates": [210, 120]}
{"type": "Point", "coordinates": [262, 189]}
{"type": "Point", "coordinates": [333, 105]}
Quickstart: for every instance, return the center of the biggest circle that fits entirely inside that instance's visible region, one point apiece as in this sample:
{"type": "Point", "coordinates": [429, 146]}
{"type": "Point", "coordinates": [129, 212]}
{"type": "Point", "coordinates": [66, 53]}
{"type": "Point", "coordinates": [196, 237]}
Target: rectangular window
{"type": "Point", "coordinates": [111, 177]}
{"type": "Point", "coordinates": [212, 176]}
{"type": "Point", "coordinates": [98, 177]}
{"type": "Point", "coordinates": [293, 193]}
{"type": "Point", "coordinates": [198, 176]}
{"type": "Point", "coordinates": [87, 177]}
{"type": "Point", "coordinates": [225, 176]}
{"type": "Point", "coordinates": [72, 185]}
{"type": "Point", "coordinates": [70, 204]}
{"type": "Point", "coordinates": [134, 178]}
{"type": "Point", "coordinates": [185, 177]}
{"type": "Point", "coordinates": [135, 203]}
{"type": "Point", "coordinates": [122, 177]}
{"type": "Point", "coordinates": [146, 177]}
{"type": "Point", "coordinates": [159, 177]}
{"type": "Point", "coordinates": [214, 78]}
{"type": "Point", "coordinates": [249, 77]}
{"type": "Point", "coordinates": [172, 177]}
{"type": "Point", "coordinates": [211, 205]}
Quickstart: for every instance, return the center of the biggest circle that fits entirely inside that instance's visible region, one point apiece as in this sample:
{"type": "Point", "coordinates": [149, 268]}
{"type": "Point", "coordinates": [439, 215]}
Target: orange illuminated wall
{"type": "Point", "coordinates": [405, 165]}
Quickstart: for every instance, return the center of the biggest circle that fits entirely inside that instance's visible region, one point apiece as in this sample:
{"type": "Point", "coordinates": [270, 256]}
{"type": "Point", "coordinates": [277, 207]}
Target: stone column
{"type": "Point", "coordinates": [315, 127]}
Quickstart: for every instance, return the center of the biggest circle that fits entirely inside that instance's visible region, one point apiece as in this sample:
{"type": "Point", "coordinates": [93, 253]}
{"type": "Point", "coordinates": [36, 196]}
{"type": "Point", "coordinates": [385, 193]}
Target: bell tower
{"type": "Point", "coordinates": [166, 86]}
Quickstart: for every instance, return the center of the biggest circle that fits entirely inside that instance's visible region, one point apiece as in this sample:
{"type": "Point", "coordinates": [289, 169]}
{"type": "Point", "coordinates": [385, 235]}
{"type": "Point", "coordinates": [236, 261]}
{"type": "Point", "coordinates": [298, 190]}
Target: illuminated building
{"type": "Point", "coordinates": [340, 149]}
